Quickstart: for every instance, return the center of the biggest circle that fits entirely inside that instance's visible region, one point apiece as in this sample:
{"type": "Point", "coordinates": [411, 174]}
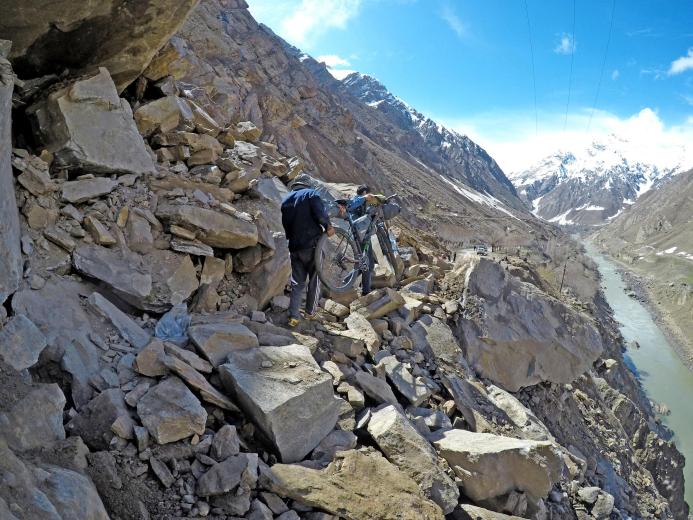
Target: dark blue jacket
{"type": "Point", "coordinates": [304, 218]}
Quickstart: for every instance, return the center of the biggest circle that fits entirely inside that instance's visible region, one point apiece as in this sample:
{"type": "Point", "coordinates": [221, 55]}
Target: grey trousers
{"type": "Point", "coordinates": [302, 269]}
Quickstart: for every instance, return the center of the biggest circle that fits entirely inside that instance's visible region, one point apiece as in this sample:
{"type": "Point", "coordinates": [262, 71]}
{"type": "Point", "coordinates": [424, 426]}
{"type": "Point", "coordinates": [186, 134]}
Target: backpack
{"type": "Point", "coordinates": [391, 210]}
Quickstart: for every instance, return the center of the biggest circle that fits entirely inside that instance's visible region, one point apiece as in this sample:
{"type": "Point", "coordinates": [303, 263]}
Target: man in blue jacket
{"type": "Point", "coordinates": [357, 207]}
{"type": "Point", "coordinates": [305, 219]}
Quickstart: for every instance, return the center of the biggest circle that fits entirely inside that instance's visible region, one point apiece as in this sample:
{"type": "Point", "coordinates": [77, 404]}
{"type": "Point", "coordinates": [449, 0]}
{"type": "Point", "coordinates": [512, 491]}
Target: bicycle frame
{"type": "Point", "coordinates": [364, 245]}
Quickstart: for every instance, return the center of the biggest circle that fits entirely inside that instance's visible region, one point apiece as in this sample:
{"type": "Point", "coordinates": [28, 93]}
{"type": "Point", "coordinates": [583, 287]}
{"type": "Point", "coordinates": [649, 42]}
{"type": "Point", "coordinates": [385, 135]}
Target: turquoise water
{"type": "Point", "coordinates": [665, 378]}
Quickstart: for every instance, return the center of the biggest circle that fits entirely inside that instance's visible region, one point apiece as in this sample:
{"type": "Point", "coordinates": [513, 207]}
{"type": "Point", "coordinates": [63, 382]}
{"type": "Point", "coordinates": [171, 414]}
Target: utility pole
{"type": "Point", "coordinates": [560, 291]}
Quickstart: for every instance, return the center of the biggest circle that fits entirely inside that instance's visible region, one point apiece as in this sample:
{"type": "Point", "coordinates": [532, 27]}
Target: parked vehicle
{"type": "Point", "coordinates": [482, 250]}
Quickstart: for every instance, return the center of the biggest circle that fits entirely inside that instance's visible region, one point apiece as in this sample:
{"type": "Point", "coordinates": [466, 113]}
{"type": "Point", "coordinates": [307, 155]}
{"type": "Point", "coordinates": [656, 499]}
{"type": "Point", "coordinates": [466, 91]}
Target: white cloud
{"type": "Point", "coordinates": [302, 22]}
{"type": "Point", "coordinates": [332, 60]}
{"type": "Point", "coordinates": [454, 21]}
{"type": "Point", "coordinates": [340, 74]}
{"type": "Point", "coordinates": [615, 74]}
{"type": "Point", "coordinates": [566, 44]}
{"type": "Point", "coordinates": [682, 64]}
{"type": "Point", "coordinates": [509, 137]}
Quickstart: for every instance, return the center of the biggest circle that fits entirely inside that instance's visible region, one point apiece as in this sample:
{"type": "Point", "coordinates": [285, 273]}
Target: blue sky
{"type": "Point", "coordinates": [468, 65]}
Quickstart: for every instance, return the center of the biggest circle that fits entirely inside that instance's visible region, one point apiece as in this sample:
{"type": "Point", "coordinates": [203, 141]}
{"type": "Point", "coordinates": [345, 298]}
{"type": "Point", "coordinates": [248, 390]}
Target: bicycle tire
{"type": "Point", "coordinates": [387, 249]}
{"type": "Point", "coordinates": [349, 274]}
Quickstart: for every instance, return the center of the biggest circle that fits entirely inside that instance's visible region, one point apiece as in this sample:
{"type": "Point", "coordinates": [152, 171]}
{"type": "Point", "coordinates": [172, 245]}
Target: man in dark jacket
{"type": "Point", "coordinates": [305, 219]}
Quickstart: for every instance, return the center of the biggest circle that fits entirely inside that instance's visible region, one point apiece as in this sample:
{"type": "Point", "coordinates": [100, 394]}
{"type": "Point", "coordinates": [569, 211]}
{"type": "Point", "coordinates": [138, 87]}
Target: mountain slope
{"type": "Point", "coordinates": [249, 73]}
{"type": "Point", "coordinates": [654, 238]}
{"type": "Point", "coordinates": [592, 185]}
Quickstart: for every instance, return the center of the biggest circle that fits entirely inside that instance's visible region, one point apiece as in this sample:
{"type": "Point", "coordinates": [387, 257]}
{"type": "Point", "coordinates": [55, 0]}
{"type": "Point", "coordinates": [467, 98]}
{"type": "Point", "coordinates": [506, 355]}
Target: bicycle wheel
{"type": "Point", "coordinates": [386, 246]}
{"type": "Point", "coordinates": [337, 261]}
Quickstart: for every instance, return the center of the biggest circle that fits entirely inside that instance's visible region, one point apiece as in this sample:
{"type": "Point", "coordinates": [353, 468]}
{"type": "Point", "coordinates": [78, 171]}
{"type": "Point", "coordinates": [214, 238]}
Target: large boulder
{"type": "Point", "coordinates": [94, 421]}
{"type": "Point", "coordinates": [21, 342]}
{"type": "Point", "coordinates": [36, 420]}
{"type": "Point", "coordinates": [151, 283]}
{"type": "Point", "coordinates": [171, 412]}
{"type": "Point", "coordinates": [520, 336]}
{"type": "Point", "coordinates": [212, 227]}
{"type": "Point", "coordinates": [404, 446]}
{"type": "Point", "coordinates": [490, 466]}
{"type": "Point", "coordinates": [88, 127]}
{"type": "Point", "coordinates": [284, 392]}
{"type": "Point", "coordinates": [68, 333]}
{"type": "Point", "coordinates": [45, 491]}
{"type": "Point", "coordinates": [49, 37]}
{"type": "Point", "coordinates": [356, 486]}
{"type": "Point", "coordinates": [11, 258]}
{"type": "Point", "coordinates": [269, 279]}
{"type": "Point", "coordinates": [434, 337]}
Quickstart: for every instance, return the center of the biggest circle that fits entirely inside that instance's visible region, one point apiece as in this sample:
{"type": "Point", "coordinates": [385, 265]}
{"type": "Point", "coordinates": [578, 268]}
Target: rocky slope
{"type": "Point", "coordinates": [654, 239]}
{"type": "Point", "coordinates": [144, 357]}
{"type": "Point", "coordinates": [591, 186]}
{"type": "Point", "coordinates": [306, 113]}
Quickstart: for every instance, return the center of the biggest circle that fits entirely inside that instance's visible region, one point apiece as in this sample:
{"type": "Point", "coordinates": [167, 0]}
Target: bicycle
{"type": "Point", "coordinates": [341, 258]}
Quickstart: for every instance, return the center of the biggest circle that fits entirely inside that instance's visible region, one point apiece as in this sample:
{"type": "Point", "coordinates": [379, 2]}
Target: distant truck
{"type": "Point", "coordinates": [482, 250]}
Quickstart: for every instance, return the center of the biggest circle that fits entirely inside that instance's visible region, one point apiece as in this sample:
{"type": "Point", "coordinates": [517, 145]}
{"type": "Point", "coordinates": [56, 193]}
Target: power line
{"type": "Point", "coordinates": [601, 74]}
{"type": "Point", "coordinates": [534, 76]}
{"type": "Point", "coordinates": [570, 78]}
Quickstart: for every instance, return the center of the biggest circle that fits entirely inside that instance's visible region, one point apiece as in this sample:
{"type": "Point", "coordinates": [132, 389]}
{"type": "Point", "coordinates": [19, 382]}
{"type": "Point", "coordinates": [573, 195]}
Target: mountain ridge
{"type": "Point", "coordinates": [592, 185]}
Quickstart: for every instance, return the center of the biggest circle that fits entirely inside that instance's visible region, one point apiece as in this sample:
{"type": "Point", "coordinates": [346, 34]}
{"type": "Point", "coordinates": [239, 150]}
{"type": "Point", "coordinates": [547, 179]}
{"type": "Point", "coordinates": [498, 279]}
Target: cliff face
{"type": "Point", "coordinates": [144, 348]}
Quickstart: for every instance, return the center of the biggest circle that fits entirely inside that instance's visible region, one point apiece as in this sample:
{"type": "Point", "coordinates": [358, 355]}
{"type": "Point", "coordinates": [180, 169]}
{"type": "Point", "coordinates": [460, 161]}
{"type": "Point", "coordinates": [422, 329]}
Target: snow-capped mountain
{"type": "Point", "coordinates": [591, 186]}
{"type": "Point", "coordinates": [454, 156]}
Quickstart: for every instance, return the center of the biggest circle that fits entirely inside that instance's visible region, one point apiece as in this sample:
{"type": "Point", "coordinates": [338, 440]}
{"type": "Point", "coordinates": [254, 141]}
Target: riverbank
{"type": "Point", "coordinates": [657, 364]}
{"type": "Point", "coordinates": [661, 316]}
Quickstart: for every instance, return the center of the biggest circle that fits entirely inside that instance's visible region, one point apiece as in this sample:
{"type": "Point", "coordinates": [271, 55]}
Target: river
{"type": "Point", "coordinates": [663, 376]}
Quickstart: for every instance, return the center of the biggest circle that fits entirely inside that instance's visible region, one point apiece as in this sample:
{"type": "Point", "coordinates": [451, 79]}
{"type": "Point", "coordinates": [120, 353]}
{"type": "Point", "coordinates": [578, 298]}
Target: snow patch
{"type": "Point", "coordinates": [562, 219]}
{"type": "Point", "coordinates": [475, 196]}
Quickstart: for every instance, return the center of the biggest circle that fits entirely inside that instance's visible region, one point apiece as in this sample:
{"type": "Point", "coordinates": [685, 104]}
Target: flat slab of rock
{"type": "Point", "coordinates": [361, 328]}
{"type": "Point", "coordinates": [470, 512]}
{"type": "Point", "coordinates": [83, 190]}
{"type": "Point", "coordinates": [213, 228]}
{"type": "Point", "coordinates": [87, 126]}
{"type": "Point", "coordinates": [284, 392]}
{"type": "Point", "coordinates": [404, 446]}
{"type": "Point", "coordinates": [378, 303]}
{"type": "Point", "coordinates": [171, 412]}
{"type": "Point", "coordinates": [222, 477]}
{"type": "Point", "coordinates": [11, 265]}
{"type": "Point", "coordinates": [216, 341]}
{"type": "Point", "coordinates": [151, 283]}
{"type": "Point", "coordinates": [376, 388]}
{"type": "Point", "coordinates": [127, 327]}
{"type": "Point", "coordinates": [528, 337]}
{"type": "Point", "coordinates": [21, 342]}
{"type": "Point", "coordinates": [358, 485]}
{"type": "Point", "coordinates": [433, 336]}
{"type": "Point", "coordinates": [490, 465]}
{"type": "Point", "coordinates": [413, 388]}
{"type": "Point", "coordinates": [197, 381]}
{"type": "Point", "coordinates": [123, 273]}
